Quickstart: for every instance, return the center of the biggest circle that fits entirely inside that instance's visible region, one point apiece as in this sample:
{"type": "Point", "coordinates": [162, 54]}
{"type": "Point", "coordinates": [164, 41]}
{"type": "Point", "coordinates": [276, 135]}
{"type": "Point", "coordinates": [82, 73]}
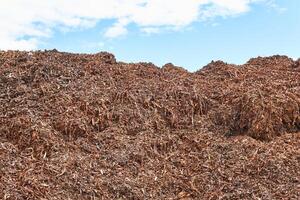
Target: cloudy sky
{"type": "Point", "coordinates": [189, 33]}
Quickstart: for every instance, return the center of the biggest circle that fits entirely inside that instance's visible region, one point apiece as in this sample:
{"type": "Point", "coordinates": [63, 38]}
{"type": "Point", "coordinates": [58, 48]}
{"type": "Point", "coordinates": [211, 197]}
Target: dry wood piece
{"type": "Point", "coordinates": [84, 126]}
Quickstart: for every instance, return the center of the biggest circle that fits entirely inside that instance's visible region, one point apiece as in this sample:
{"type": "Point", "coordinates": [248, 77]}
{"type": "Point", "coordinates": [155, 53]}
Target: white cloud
{"type": "Point", "coordinates": [150, 30]}
{"type": "Point", "coordinates": [273, 5]}
{"type": "Point", "coordinates": [24, 23]}
{"type": "Point", "coordinates": [117, 29]}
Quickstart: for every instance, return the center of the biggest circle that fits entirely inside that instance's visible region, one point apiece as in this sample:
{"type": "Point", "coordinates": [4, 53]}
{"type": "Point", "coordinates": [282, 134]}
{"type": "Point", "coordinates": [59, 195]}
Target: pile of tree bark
{"type": "Point", "coordinates": [88, 127]}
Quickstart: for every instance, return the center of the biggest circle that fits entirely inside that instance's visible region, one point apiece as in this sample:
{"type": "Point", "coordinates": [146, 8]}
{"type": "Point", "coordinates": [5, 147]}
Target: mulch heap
{"type": "Point", "coordinates": [80, 126]}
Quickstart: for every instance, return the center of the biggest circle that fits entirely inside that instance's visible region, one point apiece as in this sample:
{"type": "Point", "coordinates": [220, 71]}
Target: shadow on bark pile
{"type": "Point", "coordinates": [264, 116]}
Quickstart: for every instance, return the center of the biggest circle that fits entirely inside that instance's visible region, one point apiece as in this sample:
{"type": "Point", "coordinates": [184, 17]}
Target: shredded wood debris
{"type": "Point", "coordinates": [82, 126]}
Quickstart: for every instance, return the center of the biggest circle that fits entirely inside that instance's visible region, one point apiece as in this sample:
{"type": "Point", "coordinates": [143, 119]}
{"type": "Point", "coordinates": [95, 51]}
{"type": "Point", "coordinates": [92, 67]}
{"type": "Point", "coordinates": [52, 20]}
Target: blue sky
{"type": "Point", "coordinates": [230, 30]}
